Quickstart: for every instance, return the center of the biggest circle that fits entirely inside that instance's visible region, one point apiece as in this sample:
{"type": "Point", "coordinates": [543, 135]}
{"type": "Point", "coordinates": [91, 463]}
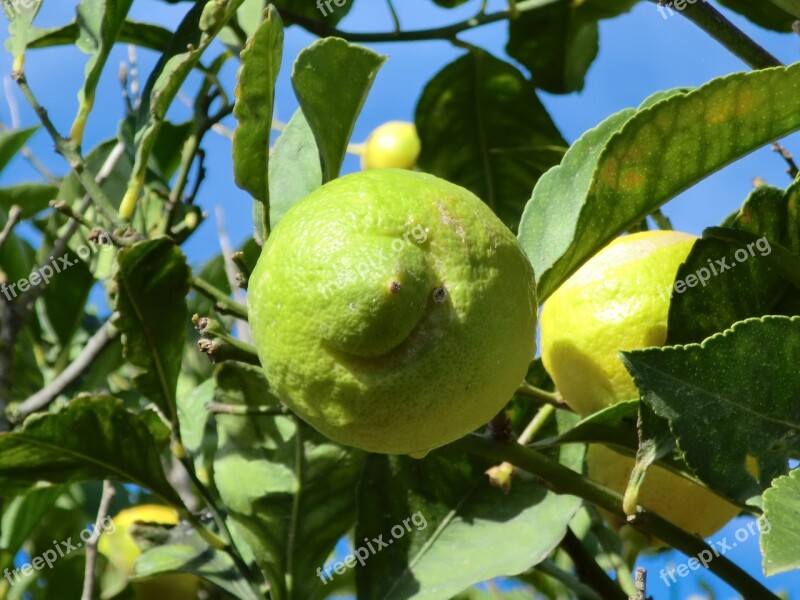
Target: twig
{"type": "Point", "coordinates": [14, 217]}
{"type": "Point", "coordinates": [714, 23]}
{"type": "Point", "coordinates": [641, 585]}
{"type": "Point", "coordinates": [91, 545]}
{"type": "Point", "coordinates": [526, 389]}
{"type": "Point", "coordinates": [218, 408]}
{"type": "Point", "coordinates": [223, 304]}
{"type": "Point", "coordinates": [563, 480]}
{"type": "Point", "coordinates": [582, 591]}
{"type": "Point", "coordinates": [96, 344]}
{"type": "Point", "coordinates": [438, 33]}
{"type": "Point", "coordinates": [242, 329]}
{"type": "Point", "coordinates": [67, 149]}
{"type": "Point", "coordinates": [395, 18]}
{"type": "Point", "coordinates": [220, 345]}
{"type": "Point", "coordinates": [588, 570]}
{"type": "Point", "coordinates": [787, 156]}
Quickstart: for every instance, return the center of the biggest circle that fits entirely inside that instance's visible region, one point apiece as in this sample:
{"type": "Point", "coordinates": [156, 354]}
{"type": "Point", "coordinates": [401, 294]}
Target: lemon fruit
{"type": "Point", "coordinates": [393, 311]}
{"type": "Point", "coordinates": [119, 547]}
{"type": "Point", "coordinates": [619, 300]}
{"type": "Point", "coordinates": [393, 145]}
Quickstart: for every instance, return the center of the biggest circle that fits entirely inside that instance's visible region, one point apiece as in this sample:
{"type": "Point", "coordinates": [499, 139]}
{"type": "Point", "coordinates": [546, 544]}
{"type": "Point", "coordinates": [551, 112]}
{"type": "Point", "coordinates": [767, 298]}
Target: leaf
{"type": "Point", "coordinates": [152, 282]}
{"type": "Point", "coordinates": [12, 142]}
{"type": "Point", "coordinates": [483, 127]}
{"type": "Point", "coordinates": [615, 424]}
{"type": "Point", "coordinates": [259, 479]}
{"type": "Point", "coordinates": [30, 197]}
{"type": "Point", "coordinates": [255, 97]}
{"type": "Point", "coordinates": [333, 13]}
{"type": "Point", "coordinates": [141, 34]}
{"type": "Point", "coordinates": [91, 438]}
{"type": "Point", "coordinates": [100, 23]}
{"type": "Point", "coordinates": [730, 283]}
{"type": "Point", "coordinates": [769, 15]}
{"type": "Point", "coordinates": [780, 525]}
{"type": "Point", "coordinates": [21, 16]}
{"type": "Point", "coordinates": [186, 552]}
{"type": "Point", "coordinates": [331, 79]}
{"type": "Point", "coordinates": [457, 529]}
{"type": "Point", "coordinates": [747, 374]}
{"type": "Point", "coordinates": [543, 231]}
{"type": "Point", "coordinates": [557, 43]}
{"type": "Point", "coordinates": [661, 151]}
{"type": "Point", "coordinates": [23, 515]}
{"type": "Point", "coordinates": [295, 169]}
{"type": "Point", "coordinates": [193, 415]}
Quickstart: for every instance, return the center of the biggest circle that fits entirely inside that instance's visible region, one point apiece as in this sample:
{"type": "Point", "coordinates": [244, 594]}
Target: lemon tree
{"type": "Point", "coordinates": [348, 401]}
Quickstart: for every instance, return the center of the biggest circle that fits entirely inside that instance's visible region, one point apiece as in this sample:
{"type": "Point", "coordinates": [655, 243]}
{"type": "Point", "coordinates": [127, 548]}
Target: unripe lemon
{"type": "Point", "coordinates": [393, 145]}
{"type": "Point", "coordinates": [119, 547]}
{"type": "Point", "coordinates": [393, 311]}
{"type": "Point", "coordinates": [619, 300]}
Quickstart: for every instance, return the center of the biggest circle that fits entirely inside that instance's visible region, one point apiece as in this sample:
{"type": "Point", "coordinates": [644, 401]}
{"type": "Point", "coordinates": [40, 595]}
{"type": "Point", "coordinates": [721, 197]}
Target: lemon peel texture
{"type": "Point", "coordinates": [393, 311]}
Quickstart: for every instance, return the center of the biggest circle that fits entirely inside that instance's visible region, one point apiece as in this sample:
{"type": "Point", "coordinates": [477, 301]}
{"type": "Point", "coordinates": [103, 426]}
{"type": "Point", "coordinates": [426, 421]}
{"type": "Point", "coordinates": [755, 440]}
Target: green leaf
{"type": "Point", "coordinates": [331, 79]}
{"type": "Point", "coordinates": [730, 283]}
{"type": "Point", "coordinates": [16, 260]}
{"type": "Point", "coordinates": [747, 374]}
{"type": "Point", "coordinates": [193, 415]}
{"type": "Point", "coordinates": [152, 283]}
{"type": "Point", "coordinates": [141, 34]}
{"type": "Point", "coordinates": [21, 28]}
{"type": "Point", "coordinates": [30, 197]}
{"type": "Point", "coordinates": [255, 98]}
{"type": "Point", "coordinates": [558, 196]}
{"type": "Point", "coordinates": [186, 552]}
{"type": "Point", "coordinates": [557, 43]}
{"type": "Point", "coordinates": [483, 127]}
{"type": "Point", "coordinates": [66, 296]}
{"type": "Point", "coordinates": [765, 14]}
{"type": "Point", "coordinates": [615, 424]}
{"type": "Point", "coordinates": [289, 512]}
{"type": "Point", "coordinates": [661, 151]}
{"type": "Point", "coordinates": [91, 438]}
{"type": "Point", "coordinates": [780, 525]}
{"type": "Point", "coordinates": [309, 11]}
{"type": "Point", "coordinates": [12, 142]}
{"type": "Point", "coordinates": [295, 169]}
{"type": "Point", "coordinates": [23, 515]}
{"type": "Point", "coordinates": [457, 529]}
{"type": "Point", "coordinates": [100, 23]}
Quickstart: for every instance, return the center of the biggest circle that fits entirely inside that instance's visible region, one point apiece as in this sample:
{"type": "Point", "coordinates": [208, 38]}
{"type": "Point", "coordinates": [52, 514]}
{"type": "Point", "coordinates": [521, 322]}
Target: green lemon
{"type": "Point", "coordinates": [393, 311]}
{"type": "Point", "coordinates": [619, 300]}
{"type": "Point", "coordinates": [119, 547]}
{"type": "Point", "coordinates": [393, 145]}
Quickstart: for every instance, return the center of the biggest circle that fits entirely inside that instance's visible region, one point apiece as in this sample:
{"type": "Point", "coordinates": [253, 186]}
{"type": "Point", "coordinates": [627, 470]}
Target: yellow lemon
{"type": "Point", "coordinates": [619, 300]}
{"type": "Point", "coordinates": [393, 311]}
{"type": "Point", "coordinates": [393, 145]}
{"type": "Point", "coordinates": [119, 547]}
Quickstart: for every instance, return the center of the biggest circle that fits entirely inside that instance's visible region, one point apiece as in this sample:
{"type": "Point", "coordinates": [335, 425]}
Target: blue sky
{"type": "Point", "coordinates": [640, 53]}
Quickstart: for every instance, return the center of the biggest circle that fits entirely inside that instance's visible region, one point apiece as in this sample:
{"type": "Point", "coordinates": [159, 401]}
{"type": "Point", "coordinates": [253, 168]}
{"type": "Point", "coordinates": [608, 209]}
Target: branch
{"type": "Point", "coordinates": [714, 23]}
{"type": "Point", "coordinates": [67, 149]}
{"type": "Point", "coordinates": [447, 32]}
{"type": "Point", "coordinates": [587, 569]}
{"type": "Point", "coordinates": [238, 410]}
{"type": "Point", "coordinates": [222, 303]}
{"type": "Point", "coordinates": [96, 344]}
{"type": "Point", "coordinates": [554, 399]}
{"type": "Point", "coordinates": [14, 217]}
{"type": "Point", "coordinates": [91, 545]}
{"type": "Point", "coordinates": [563, 480]}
